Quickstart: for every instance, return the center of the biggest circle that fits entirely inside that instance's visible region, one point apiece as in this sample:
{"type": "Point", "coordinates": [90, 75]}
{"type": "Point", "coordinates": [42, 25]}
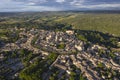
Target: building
{"type": "Point", "coordinates": [70, 32]}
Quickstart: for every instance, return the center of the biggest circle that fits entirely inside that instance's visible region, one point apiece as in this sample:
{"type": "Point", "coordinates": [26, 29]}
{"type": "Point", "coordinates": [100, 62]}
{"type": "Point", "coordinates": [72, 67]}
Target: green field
{"type": "Point", "coordinates": [103, 22]}
{"type": "Point", "coordinates": [107, 23]}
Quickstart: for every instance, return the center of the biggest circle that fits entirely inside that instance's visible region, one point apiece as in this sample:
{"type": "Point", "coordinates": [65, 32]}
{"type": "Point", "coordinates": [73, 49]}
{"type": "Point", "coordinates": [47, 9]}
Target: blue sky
{"type": "Point", "coordinates": [57, 5]}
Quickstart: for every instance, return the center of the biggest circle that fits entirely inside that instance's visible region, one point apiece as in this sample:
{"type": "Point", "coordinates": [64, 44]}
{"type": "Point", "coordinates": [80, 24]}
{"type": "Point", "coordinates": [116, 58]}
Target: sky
{"type": "Point", "coordinates": [57, 5]}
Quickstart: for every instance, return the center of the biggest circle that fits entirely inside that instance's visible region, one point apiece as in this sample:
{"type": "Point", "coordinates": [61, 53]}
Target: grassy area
{"type": "Point", "coordinates": [107, 23]}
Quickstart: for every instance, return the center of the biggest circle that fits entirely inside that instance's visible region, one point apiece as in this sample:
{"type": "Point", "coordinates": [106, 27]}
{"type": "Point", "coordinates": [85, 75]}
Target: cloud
{"type": "Point", "coordinates": [77, 2]}
{"type": "Point", "coordinates": [40, 8]}
{"type": "Point", "coordinates": [95, 5]}
{"type": "Point", "coordinates": [35, 1]}
{"type": "Point", "coordinates": [31, 2]}
{"type": "Point", "coordinates": [105, 5]}
{"type": "Point", "coordinates": [8, 4]}
{"type": "Point", "coordinates": [60, 1]}
{"type": "Point", "coordinates": [55, 5]}
{"type": "Point", "coordinates": [25, 5]}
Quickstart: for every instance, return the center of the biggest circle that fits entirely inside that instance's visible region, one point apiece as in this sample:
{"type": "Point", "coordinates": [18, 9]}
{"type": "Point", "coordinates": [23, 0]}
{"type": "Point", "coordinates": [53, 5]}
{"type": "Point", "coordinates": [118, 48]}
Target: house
{"type": "Point", "coordinates": [79, 48]}
{"type": "Point", "coordinates": [68, 72]}
{"type": "Point", "coordinates": [118, 44]}
{"type": "Point", "coordinates": [1, 57]}
{"type": "Point", "coordinates": [95, 47]}
{"type": "Point", "coordinates": [45, 53]}
{"type": "Point", "coordinates": [61, 66]}
{"type": "Point", "coordinates": [70, 32]}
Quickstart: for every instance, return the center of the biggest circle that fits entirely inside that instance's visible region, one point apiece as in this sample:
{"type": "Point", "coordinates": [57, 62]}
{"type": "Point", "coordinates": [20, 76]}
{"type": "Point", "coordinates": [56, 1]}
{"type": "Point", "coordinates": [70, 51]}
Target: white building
{"type": "Point", "coordinates": [70, 32]}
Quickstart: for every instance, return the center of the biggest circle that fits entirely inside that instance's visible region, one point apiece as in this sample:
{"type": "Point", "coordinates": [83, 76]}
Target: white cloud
{"type": "Point", "coordinates": [86, 4]}
{"type": "Point", "coordinates": [99, 6]}
{"type": "Point", "coordinates": [60, 1]}
{"type": "Point", "coordinates": [51, 5]}
{"type": "Point", "coordinates": [37, 1]}
{"type": "Point", "coordinates": [105, 6]}
{"type": "Point", "coordinates": [31, 3]}
{"type": "Point", "coordinates": [77, 2]}
{"type": "Point", "coordinates": [9, 6]}
{"type": "Point", "coordinates": [40, 8]}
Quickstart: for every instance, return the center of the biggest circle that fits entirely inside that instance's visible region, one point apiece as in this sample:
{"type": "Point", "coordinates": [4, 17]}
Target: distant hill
{"type": "Point", "coordinates": [104, 21]}
{"type": "Point", "coordinates": [108, 23]}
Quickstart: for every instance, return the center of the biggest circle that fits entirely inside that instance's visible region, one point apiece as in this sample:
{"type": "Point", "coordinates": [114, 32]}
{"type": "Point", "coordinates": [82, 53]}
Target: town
{"type": "Point", "coordinates": [60, 54]}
